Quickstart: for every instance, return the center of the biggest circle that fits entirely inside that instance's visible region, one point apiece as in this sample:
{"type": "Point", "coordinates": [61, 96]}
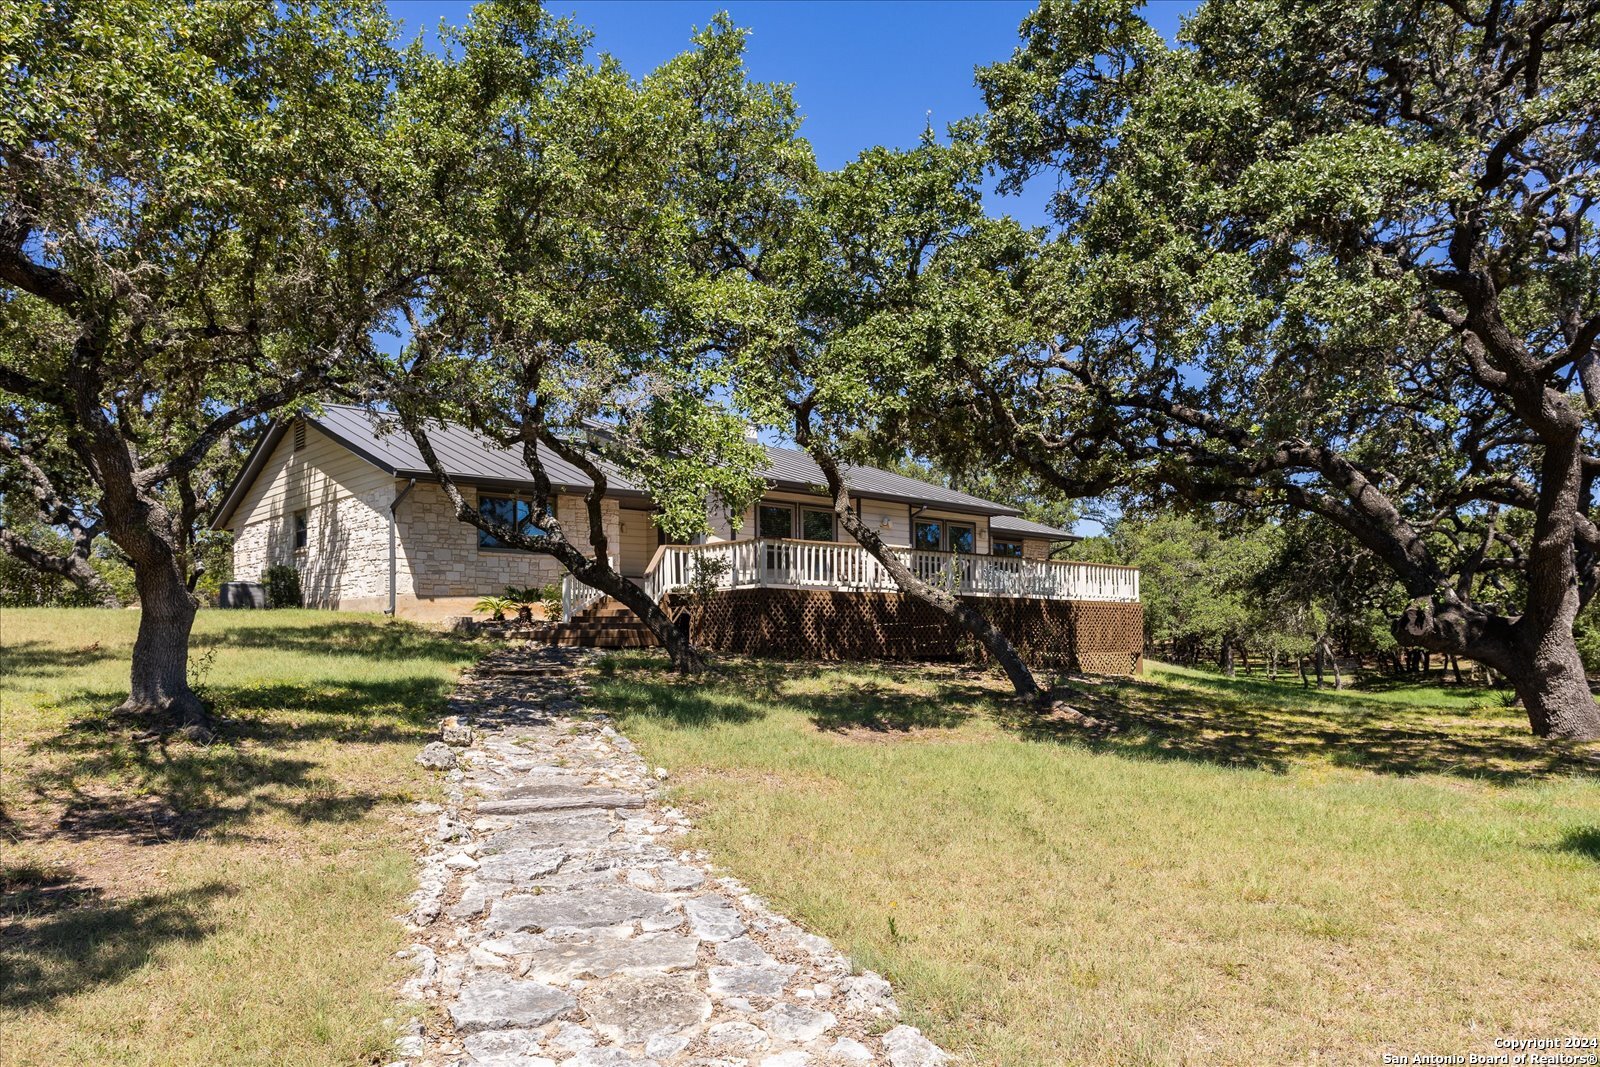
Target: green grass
{"type": "Point", "coordinates": [1244, 872]}
{"type": "Point", "coordinates": [229, 904]}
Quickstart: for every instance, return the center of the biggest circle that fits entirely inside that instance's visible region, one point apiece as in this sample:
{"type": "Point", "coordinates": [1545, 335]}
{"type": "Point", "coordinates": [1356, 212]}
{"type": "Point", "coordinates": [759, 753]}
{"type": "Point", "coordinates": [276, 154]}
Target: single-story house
{"type": "Point", "coordinates": [356, 511]}
{"type": "Point", "coordinates": [319, 493]}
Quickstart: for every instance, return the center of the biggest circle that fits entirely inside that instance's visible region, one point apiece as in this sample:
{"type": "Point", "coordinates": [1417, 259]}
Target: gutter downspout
{"type": "Point", "coordinates": [394, 507]}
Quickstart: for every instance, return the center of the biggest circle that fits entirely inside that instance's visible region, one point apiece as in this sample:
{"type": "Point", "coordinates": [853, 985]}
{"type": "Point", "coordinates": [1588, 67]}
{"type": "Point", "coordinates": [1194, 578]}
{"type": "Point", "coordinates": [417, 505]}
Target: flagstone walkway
{"type": "Point", "coordinates": [559, 920]}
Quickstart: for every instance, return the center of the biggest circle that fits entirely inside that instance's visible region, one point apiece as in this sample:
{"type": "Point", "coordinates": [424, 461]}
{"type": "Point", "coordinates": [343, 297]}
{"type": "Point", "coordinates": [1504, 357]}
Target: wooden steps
{"type": "Point", "coordinates": [607, 623]}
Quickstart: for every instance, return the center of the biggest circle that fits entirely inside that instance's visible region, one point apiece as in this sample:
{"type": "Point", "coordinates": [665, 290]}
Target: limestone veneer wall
{"type": "Point", "coordinates": [345, 500]}
{"type": "Point", "coordinates": [439, 555]}
{"type": "Point", "coordinates": [441, 570]}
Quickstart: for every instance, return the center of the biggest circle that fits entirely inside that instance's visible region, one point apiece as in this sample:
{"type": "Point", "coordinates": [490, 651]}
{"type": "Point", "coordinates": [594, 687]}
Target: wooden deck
{"type": "Point", "coordinates": [832, 566]}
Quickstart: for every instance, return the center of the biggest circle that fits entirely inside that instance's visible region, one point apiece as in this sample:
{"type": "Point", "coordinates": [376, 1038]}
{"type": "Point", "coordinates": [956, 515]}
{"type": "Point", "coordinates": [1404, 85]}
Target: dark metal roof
{"type": "Point", "coordinates": [472, 458]}
{"type": "Point", "coordinates": [1015, 526]}
{"type": "Point", "coordinates": [790, 468]}
{"type": "Point", "coordinates": [465, 454]}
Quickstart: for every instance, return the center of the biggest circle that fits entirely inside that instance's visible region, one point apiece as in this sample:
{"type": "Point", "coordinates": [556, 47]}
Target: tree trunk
{"type": "Point", "coordinates": [942, 601]}
{"type": "Point", "coordinates": [159, 678]}
{"type": "Point", "coordinates": [686, 659]}
{"type": "Point", "coordinates": [1536, 654]}
{"type": "Point", "coordinates": [1549, 678]}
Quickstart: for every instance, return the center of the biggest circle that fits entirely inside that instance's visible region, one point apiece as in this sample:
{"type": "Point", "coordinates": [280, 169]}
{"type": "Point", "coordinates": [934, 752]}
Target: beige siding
{"type": "Point", "coordinates": [891, 521]}
{"type": "Point", "coordinates": [322, 471]}
{"type": "Point", "coordinates": [636, 541]}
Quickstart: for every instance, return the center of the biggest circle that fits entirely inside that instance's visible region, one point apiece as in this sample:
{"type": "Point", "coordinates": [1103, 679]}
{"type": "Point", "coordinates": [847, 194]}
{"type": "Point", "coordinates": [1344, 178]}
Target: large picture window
{"type": "Point", "coordinates": [816, 525]}
{"type": "Point", "coordinates": [929, 536]}
{"type": "Point", "coordinates": [512, 512]}
{"type": "Point", "coordinates": [775, 520]}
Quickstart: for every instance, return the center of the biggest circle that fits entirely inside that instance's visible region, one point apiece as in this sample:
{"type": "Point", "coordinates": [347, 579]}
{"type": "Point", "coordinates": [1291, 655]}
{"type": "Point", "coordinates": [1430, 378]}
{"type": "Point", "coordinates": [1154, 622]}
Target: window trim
{"type": "Point", "coordinates": [949, 541]}
{"type": "Point", "coordinates": [944, 525]}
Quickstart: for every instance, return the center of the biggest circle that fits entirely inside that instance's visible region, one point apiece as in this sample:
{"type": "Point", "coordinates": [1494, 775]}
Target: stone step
{"type": "Point", "coordinates": [569, 801]}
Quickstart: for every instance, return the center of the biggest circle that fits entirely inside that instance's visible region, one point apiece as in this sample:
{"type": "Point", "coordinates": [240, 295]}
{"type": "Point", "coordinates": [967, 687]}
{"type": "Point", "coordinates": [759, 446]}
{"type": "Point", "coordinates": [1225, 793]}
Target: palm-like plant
{"type": "Point", "coordinates": [523, 601]}
{"type": "Point", "coordinates": [496, 606]}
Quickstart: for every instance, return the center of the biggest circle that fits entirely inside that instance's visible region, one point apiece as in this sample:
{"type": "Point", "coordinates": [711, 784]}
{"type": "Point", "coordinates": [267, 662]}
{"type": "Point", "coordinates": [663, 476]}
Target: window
{"type": "Point", "coordinates": [300, 538]}
{"type": "Point", "coordinates": [936, 535]}
{"type": "Point", "coordinates": [816, 525]}
{"type": "Point", "coordinates": [511, 512]}
{"type": "Point", "coordinates": [775, 520]}
{"type": "Point", "coordinates": [1007, 548]}
{"type": "Point", "coordinates": [963, 538]}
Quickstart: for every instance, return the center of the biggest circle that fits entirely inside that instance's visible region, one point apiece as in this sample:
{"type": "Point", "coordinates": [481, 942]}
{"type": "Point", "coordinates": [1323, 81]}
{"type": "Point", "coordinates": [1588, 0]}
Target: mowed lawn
{"type": "Point", "coordinates": [1244, 873]}
{"type": "Point", "coordinates": [230, 904]}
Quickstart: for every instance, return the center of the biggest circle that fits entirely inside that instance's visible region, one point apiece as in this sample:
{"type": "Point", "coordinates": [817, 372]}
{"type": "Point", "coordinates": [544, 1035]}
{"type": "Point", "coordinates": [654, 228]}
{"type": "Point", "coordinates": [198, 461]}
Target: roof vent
{"type": "Point", "coordinates": [299, 434]}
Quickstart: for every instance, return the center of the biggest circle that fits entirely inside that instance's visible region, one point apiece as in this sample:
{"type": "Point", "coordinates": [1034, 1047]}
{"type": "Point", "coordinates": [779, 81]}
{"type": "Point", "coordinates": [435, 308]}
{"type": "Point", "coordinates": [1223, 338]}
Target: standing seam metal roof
{"type": "Point", "coordinates": [473, 458]}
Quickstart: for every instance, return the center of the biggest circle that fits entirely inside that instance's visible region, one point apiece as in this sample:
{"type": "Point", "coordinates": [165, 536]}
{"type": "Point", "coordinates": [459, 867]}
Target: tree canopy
{"type": "Point", "coordinates": [1330, 259]}
{"type": "Point", "coordinates": [195, 230]}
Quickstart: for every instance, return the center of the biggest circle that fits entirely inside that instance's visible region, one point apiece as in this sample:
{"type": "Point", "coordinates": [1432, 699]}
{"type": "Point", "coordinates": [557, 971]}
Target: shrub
{"type": "Point", "coordinates": [550, 597]}
{"type": "Point", "coordinates": [283, 587]}
{"type": "Point", "coordinates": [495, 606]}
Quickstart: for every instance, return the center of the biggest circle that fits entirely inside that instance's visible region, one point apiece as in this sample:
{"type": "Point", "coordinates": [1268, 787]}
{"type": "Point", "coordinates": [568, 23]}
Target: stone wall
{"type": "Point", "coordinates": [439, 557]}
{"type": "Point", "coordinates": [440, 569]}
{"type": "Point", "coordinates": [1034, 548]}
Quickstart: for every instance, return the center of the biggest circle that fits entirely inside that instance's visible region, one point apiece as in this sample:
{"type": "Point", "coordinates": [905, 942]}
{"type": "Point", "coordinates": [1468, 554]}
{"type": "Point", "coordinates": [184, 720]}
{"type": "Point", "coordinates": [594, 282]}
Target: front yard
{"type": "Point", "coordinates": [1244, 873]}
{"type": "Point", "coordinates": [176, 905]}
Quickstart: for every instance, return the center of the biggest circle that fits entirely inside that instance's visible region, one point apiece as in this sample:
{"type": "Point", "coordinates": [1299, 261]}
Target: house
{"type": "Point", "coordinates": [357, 513]}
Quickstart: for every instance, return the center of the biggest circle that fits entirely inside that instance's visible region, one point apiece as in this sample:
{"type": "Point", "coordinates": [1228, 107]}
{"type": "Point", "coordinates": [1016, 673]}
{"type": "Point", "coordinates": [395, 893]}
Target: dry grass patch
{"type": "Point", "coordinates": [165, 903]}
{"type": "Point", "coordinates": [1244, 872]}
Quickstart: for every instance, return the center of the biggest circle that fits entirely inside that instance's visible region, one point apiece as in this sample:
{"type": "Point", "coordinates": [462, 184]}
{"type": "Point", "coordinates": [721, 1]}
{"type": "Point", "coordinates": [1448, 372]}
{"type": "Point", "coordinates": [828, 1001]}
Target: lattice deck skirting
{"type": "Point", "coordinates": [1088, 637]}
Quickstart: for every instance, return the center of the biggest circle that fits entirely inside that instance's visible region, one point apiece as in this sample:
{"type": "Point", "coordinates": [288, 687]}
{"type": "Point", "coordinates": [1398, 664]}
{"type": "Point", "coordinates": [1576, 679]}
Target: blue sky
{"type": "Point", "coordinates": [864, 73]}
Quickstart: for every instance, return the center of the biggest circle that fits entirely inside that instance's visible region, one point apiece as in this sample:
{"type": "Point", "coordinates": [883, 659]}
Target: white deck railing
{"type": "Point", "coordinates": [847, 567]}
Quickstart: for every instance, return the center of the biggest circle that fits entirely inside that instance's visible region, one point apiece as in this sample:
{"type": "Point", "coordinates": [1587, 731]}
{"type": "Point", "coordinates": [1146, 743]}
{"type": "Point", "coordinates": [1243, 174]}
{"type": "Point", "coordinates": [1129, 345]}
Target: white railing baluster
{"type": "Point", "coordinates": [830, 565]}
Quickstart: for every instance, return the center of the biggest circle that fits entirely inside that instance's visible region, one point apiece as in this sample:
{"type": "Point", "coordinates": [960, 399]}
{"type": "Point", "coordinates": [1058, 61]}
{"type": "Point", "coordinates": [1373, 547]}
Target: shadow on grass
{"type": "Point", "coordinates": [97, 780]}
{"type": "Point", "coordinates": [1582, 841]}
{"type": "Point", "coordinates": [359, 638]}
{"type": "Point", "coordinates": [61, 938]}
{"type": "Point", "coordinates": [39, 659]}
{"type": "Point", "coordinates": [1247, 723]}
{"type": "Point", "coordinates": [1226, 722]}
{"type": "Point", "coordinates": [644, 689]}
{"type": "Point", "coordinates": [746, 690]}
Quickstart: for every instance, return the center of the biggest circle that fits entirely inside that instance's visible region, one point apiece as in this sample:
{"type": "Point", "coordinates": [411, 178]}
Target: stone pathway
{"type": "Point", "coordinates": [559, 923]}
